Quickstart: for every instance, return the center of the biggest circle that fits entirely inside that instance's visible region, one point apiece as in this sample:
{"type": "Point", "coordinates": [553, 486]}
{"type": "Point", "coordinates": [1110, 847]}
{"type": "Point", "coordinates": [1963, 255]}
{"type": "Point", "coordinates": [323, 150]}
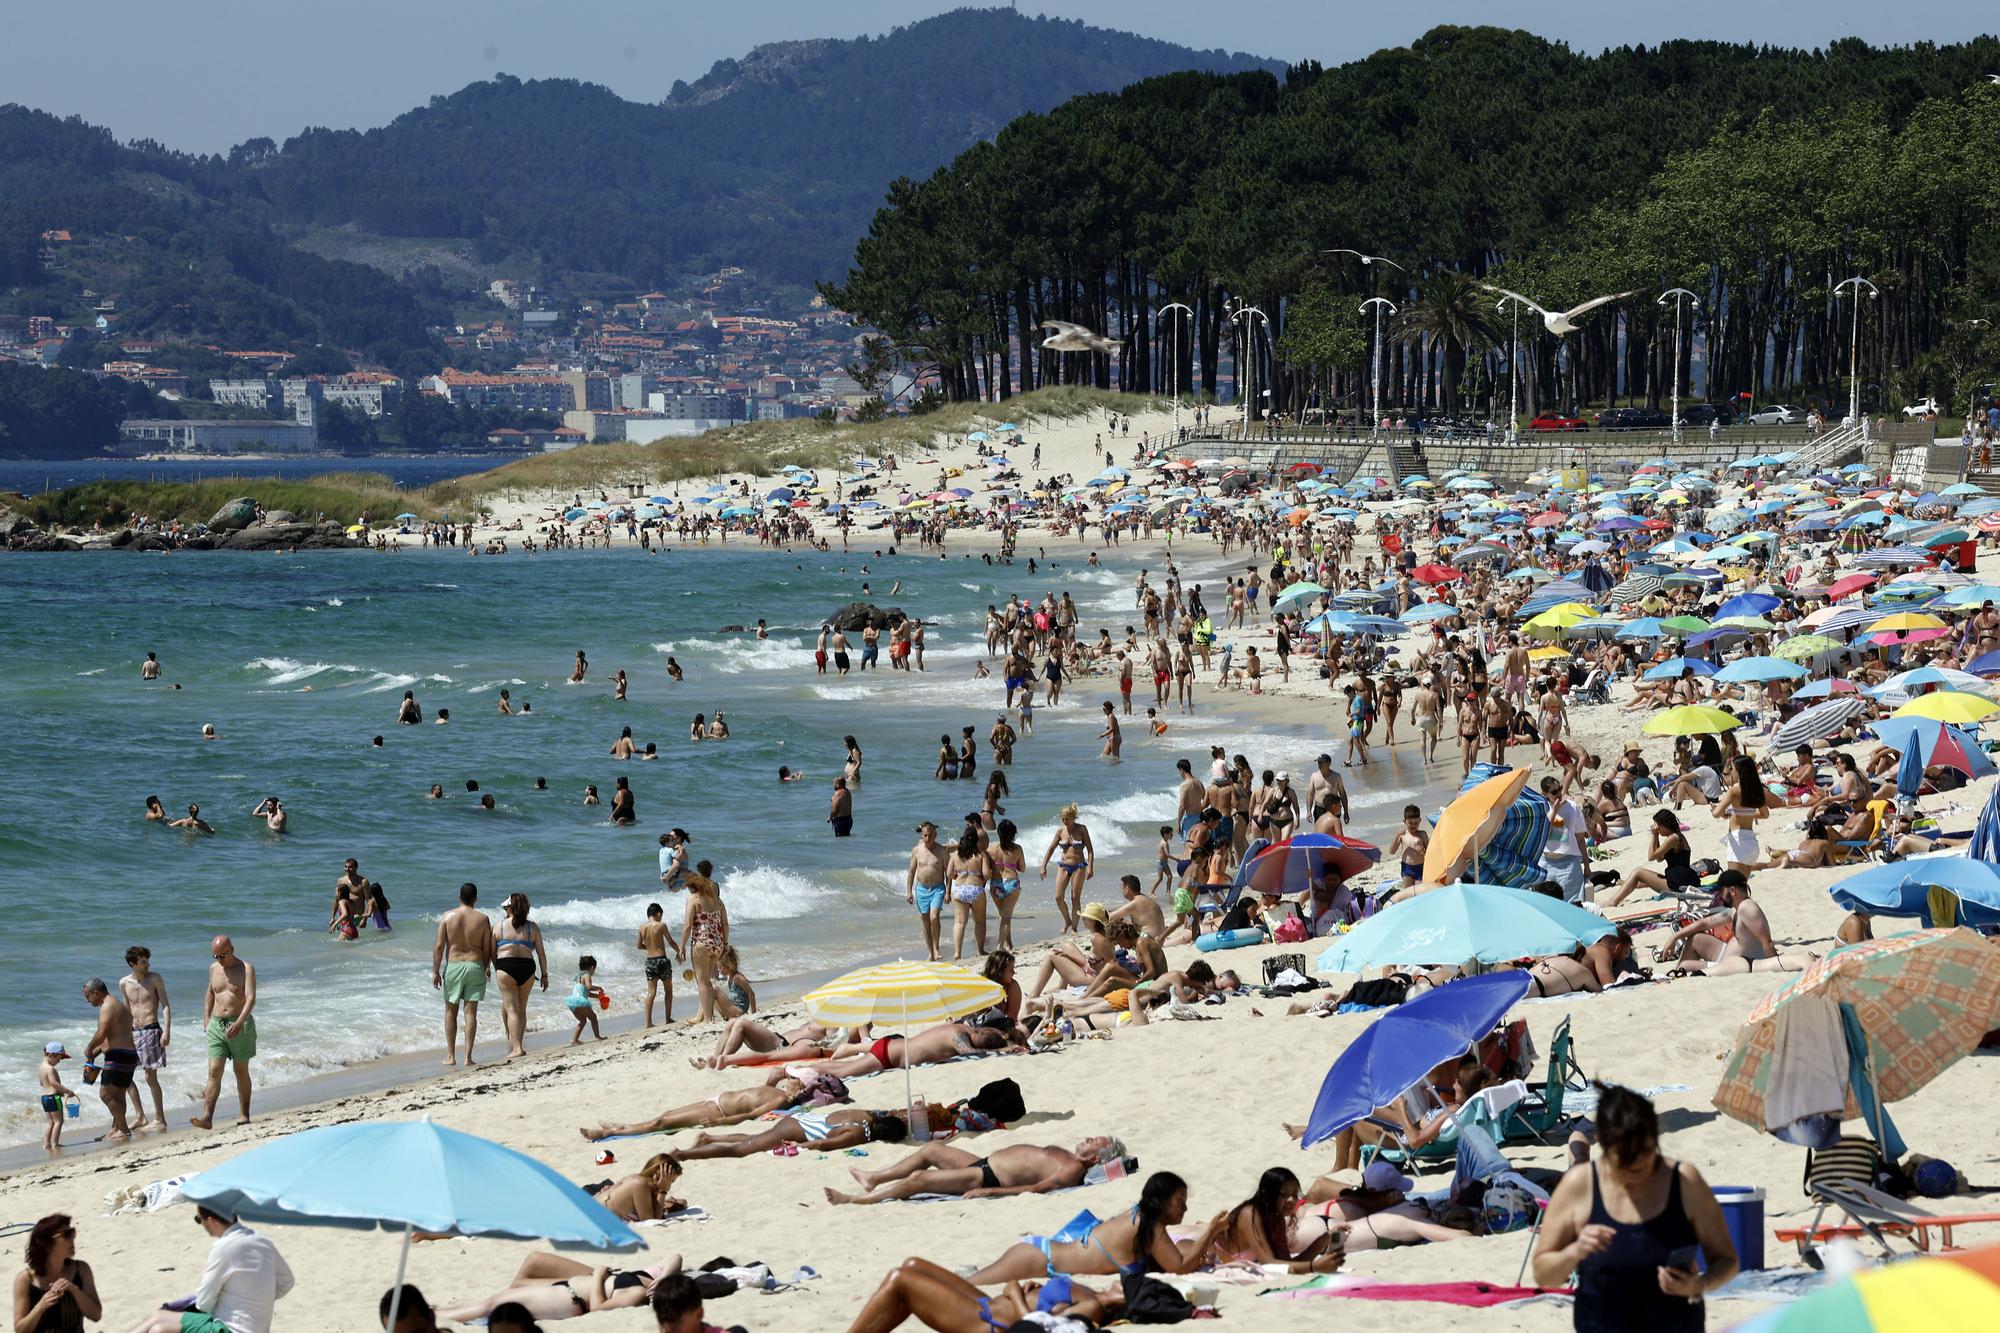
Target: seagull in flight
{"type": "Point", "coordinates": [1368, 259]}
{"type": "Point", "coordinates": [1075, 338]}
{"type": "Point", "coordinates": [1559, 322]}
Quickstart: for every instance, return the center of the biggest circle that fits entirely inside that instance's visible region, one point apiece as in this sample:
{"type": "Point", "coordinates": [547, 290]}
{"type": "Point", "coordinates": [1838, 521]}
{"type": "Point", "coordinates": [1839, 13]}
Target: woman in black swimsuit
{"type": "Point", "coordinates": [1630, 1227]}
{"type": "Point", "coordinates": [1668, 847]}
{"type": "Point", "coordinates": [622, 809]}
{"type": "Point", "coordinates": [551, 1287]}
{"type": "Point", "coordinates": [517, 957]}
{"type": "Point", "coordinates": [56, 1289]}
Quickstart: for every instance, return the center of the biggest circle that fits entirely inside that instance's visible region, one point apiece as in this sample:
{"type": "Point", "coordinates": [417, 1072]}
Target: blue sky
{"type": "Point", "coordinates": [207, 74]}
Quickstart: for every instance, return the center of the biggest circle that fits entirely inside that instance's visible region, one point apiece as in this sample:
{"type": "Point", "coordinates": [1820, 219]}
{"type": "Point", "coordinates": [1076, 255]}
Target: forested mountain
{"type": "Point", "coordinates": [1759, 178]}
{"type": "Point", "coordinates": [773, 162]}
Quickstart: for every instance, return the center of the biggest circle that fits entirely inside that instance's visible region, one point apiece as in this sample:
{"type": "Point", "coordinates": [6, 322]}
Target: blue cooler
{"type": "Point", "coordinates": [1743, 1211]}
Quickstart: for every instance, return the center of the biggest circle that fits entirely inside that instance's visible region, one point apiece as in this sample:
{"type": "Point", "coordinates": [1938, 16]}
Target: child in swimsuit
{"type": "Point", "coordinates": [582, 999]}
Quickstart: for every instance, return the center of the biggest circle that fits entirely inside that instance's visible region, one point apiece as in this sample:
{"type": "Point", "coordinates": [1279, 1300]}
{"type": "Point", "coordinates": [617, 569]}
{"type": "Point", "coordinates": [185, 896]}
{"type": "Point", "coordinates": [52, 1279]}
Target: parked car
{"type": "Point", "coordinates": [1923, 407]}
{"type": "Point", "coordinates": [1633, 418]}
{"type": "Point", "coordinates": [1778, 414]}
{"type": "Point", "coordinates": [1558, 421]}
{"type": "Point", "coordinates": [1700, 414]}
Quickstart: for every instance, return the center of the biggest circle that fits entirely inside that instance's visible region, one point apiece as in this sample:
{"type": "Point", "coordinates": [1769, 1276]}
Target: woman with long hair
{"type": "Point", "coordinates": [518, 958]}
{"type": "Point", "coordinates": [1669, 847]}
{"type": "Point", "coordinates": [648, 1192]}
{"type": "Point", "coordinates": [705, 930]}
{"type": "Point", "coordinates": [966, 871]}
{"type": "Point", "coordinates": [1128, 1244]}
{"type": "Point", "coordinates": [1259, 1230]}
{"type": "Point", "coordinates": [1006, 862]}
{"type": "Point", "coordinates": [55, 1292]}
{"type": "Point", "coordinates": [1743, 803]}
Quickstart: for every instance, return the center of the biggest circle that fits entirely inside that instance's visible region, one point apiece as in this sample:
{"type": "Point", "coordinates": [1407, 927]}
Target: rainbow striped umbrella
{"type": "Point", "coordinates": [1933, 1294]}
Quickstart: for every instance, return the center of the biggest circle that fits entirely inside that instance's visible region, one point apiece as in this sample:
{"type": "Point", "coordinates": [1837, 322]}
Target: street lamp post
{"type": "Point", "coordinates": [1854, 350]}
{"type": "Point", "coordinates": [1174, 361]}
{"type": "Point", "coordinates": [1375, 368]}
{"type": "Point", "coordinates": [1679, 294]}
{"type": "Point", "coordinates": [1246, 370]}
{"type": "Point", "coordinates": [1513, 367]}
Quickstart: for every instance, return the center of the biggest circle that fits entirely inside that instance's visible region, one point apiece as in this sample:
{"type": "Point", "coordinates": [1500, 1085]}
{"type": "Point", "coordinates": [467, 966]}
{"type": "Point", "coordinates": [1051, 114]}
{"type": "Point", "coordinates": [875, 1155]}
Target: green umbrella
{"type": "Point", "coordinates": [1802, 646]}
{"type": "Point", "coordinates": [1684, 624]}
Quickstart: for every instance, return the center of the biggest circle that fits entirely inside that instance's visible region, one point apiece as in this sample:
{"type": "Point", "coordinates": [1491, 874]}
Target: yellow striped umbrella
{"type": "Point", "coordinates": [903, 994]}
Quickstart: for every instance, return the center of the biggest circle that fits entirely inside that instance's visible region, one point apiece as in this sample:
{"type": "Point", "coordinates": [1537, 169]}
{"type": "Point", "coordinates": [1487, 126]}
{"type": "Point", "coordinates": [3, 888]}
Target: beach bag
{"type": "Point", "coordinates": [999, 1100]}
{"type": "Point", "coordinates": [1151, 1301]}
{"type": "Point", "coordinates": [1281, 962]}
{"type": "Point", "coordinates": [1290, 931]}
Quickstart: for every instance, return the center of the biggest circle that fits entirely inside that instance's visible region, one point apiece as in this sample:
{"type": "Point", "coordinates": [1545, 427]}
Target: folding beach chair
{"type": "Point", "coordinates": [1880, 1217]}
{"type": "Point", "coordinates": [1541, 1113]}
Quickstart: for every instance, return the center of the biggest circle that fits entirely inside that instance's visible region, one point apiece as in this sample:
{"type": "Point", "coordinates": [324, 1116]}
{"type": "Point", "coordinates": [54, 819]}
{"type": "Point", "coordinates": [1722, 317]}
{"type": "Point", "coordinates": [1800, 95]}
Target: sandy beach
{"type": "Point", "coordinates": [1206, 1098]}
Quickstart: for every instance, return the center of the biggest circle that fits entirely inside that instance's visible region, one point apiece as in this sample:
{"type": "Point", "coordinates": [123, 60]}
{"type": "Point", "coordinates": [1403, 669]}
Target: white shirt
{"type": "Point", "coordinates": [1563, 844]}
{"type": "Point", "coordinates": [243, 1280]}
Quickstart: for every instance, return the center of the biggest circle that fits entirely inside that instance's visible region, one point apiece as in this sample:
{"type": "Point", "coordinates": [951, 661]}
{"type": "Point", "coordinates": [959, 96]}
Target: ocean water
{"type": "Point", "coordinates": [299, 661]}
{"type": "Point", "coordinates": [34, 476]}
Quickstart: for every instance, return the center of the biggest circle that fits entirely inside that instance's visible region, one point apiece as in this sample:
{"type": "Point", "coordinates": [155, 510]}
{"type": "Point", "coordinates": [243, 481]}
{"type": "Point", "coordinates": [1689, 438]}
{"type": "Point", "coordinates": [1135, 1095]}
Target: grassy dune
{"type": "Point", "coordinates": [342, 496]}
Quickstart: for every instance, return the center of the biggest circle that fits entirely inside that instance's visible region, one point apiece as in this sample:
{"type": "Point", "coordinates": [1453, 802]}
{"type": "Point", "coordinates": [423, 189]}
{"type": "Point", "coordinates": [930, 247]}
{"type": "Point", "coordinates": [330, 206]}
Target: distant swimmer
{"type": "Point", "coordinates": [272, 811]}
{"type": "Point", "coordinates": [155, 812]}
{"type": "Point", "coordinates": [698, 729]}
{"type": "Point", "coordinates": [408, 714]}
{"type": "Point", "coordinates": [208, 731]}
{"type": "Point", "coordinates": [673, 669]}
{"type": "Point", "coordinates": [192, 821]}
{"type": "Point", "coordinates": [623, 810]}
{"type": "Point", "coordinates": [581, 668]}
{"type": "Point", "coordinates": [623, 747]}
{"type": "Point", "coordinates": [436, 793]}
{"type": "Point", "coordinates": [444, 716]}
{"type": "Point", "coordinates": [150, 668]}
{"type": "Point", "coordinates": [506, 708]}
{"type": "Point", "coordinates": [718, 730]}
{"type": "Point", "coordinates": [784, 775]}
{"type": "Point", "coordinates": [840, 810]}
{"type": "Point", "coordinates": [618, 685]}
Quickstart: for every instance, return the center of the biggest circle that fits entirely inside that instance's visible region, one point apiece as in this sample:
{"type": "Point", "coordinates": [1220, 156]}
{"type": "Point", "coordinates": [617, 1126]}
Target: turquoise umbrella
{"type": "Point", "coordinates": [1460, 921]}
{"type": "Point", "coordinates": [409, 1176]}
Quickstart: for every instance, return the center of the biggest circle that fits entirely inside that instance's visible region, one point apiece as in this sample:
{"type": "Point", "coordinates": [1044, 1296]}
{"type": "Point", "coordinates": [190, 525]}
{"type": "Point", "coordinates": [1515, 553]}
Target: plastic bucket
{"type": "Point", "coordinates": [1743, 1211]}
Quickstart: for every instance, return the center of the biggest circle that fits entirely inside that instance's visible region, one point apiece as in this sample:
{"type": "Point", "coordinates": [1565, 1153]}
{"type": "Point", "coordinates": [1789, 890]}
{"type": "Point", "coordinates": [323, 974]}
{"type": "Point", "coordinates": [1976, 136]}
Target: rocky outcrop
{"type": "Point", "coordinates": [860, 615]}
{"type": "Point", "coordinates": [289, 537]}
{"type": "Point", "coordinates": [237, 514]}
{"type": "Point", "coordinates": [279, 516]}
{"type": "Point", "coordinates": [14, 523]}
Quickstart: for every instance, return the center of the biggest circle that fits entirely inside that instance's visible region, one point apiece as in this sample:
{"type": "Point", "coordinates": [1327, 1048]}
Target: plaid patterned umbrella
{"type": "Point", "coordinates": [1923, 1001]}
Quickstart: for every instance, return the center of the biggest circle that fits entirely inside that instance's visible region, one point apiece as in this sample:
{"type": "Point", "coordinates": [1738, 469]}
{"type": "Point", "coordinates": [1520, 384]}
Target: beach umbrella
{"type": "Point", "coordinates": [1298, 592]}
{"type": "Point", "coordinates": [1912, 1005]}
{"type": "Point", "coordinates": [1427, 611]}
{"type": "Point", "coordinates": [407, 1175]}
{"type": "Point", "coordinates": [1684, 625]}
{"type": "Point", "coordinates": [1928, 1294]}
{"type": "Point", "coordinates": [1672, 668]}
{"type": "Point", "coordinates": [1902, 623]}
{"type": "Point", "coordinates": [1950, 706]}
{"type": "Point", "coordinates": [1393, 1053]}
{"type": "Point", "coordinates": [1907, 888]}
{"type": "Point", "coordinates": [1470, 822]}
{"type": "Point", "coordinates": [1889, 557]}
{"type": "Point", "coordinates": [1817, 722]}
{"type": "Point", "coordinates": [404, 518]}
{"type": "Point", "coordinates": [1756, 670]}
{"type": "Point", "coordinates": [1645, 627]}
{"type": "Point", "coordinates": [1637, 588]}
{"type": "Point", "coordinates": [901, 995]}
{"type": "Point", "coordinates": [1297, 863]}
{"type": "Point", "coordinates": [1908, 685]}
{"type": "Point", "coordinates": [1487, 922]}
{"type": "Point", "coordinates": [1691, 720]}
{"type": "Point", "coordinates": [1801, 646]}
{"type": "Point", "coordinates": [1821, 689]}
{"type": "Point", "coordinates": [1749, 604]}
{"type": "Point", "coordinates": [1551, 623]}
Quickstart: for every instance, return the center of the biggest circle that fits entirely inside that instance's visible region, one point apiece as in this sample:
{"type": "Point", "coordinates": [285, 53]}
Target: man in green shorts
{"type": "Point", "coordinates": [228, 1026]}
{"type": "Point", "coordinates": [460, 961]}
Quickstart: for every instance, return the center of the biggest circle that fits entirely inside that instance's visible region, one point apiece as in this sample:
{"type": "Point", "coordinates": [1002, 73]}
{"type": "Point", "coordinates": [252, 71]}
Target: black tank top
{"type": "Point", "coordinates": [1618, 1290]}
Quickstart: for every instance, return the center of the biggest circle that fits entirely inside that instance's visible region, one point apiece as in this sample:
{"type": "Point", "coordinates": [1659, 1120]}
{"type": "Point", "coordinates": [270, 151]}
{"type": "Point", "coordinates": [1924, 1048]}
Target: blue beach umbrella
{"type": "Point", "coordinates": [1460, 921]}
{"type": "Point", "coordinates": [408, 1176]}
{"type": "Point", "coordinates": [1903, 888]}
{"type": "Point", "coordinates": [1428, 611]}
{"type": "Point", "coordinates": [1756, 670]}
{"type": "Point", "coordinates": [1671, 668]}
{"type": "Point", "coordinates": [1748, 604]}
{"type": "Point", "coordinates": [1404, 1044]}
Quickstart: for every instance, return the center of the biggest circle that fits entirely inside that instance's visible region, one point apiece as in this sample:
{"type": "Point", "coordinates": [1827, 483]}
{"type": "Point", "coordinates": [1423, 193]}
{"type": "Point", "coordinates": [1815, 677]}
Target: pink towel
{"type": "Point", "coordinates": [1476, 1294]}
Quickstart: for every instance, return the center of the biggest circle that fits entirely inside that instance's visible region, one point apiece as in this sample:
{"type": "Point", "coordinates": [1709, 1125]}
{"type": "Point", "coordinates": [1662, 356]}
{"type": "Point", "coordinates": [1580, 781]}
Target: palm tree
{"type": "Point", "coordinates": [1454, 313]}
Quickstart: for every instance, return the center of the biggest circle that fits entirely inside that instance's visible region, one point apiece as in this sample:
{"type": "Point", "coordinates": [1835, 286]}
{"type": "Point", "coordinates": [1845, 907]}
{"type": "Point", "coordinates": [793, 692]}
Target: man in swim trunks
{"type": "Point", "coordinates": [927, 873]}
{"type": "Point", "coordinates": [938, 1168]}
{"type": "Point", "coordinates": [839, 653]}
{"type": "Point", "coordinates": [113, 1047]}
{"type": "Point", "coordinates": [840, 810]}
{"type": "Point", "coordinates": [460, 961]}
{"type": "Point", "coordinates": [819, 649]}
{"type": "Point", "coordinates": [152, 1028]}
{"type": "Point", "coordinates": [228, 1024]}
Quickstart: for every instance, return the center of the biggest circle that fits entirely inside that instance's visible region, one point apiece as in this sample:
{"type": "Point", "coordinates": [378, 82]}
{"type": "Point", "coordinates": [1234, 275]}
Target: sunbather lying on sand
{"type": "Point", "coordinates": [1132, 1242]}
{"type": "Point", "coordinates": [1197, 983]}
{"type": "Point", "coordinates": [932, 1046]}
{"type": "Point", "coordinates": [940, 1299]}
{"type": "Point", "coordinates": [847, 1128]}
{"type": "Point", "coordinates": [751, 1041]}
{"type": "Point", "coordinates": [937, 1168]}
{"type": "Point", "coordinates": [552, 1287]}
{"type": "Point", "coordinates": [1260, 1230]}
{"type": "Point", "coordinates": [1378, 1214]}
{"type": "Point", "coordinates": [725, 1108]}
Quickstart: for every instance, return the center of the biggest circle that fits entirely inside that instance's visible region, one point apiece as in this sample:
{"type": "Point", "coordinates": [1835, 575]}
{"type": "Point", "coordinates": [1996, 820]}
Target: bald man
{"type": "Point", "coordinates": [231, 1031]}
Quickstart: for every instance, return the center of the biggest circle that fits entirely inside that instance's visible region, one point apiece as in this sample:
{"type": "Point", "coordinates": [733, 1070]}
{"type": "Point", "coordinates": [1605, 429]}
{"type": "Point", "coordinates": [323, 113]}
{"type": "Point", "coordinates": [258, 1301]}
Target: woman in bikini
{"type": "Point", "coordinates": [647, 1193]}
{"type": "Point", "coordinates": [1006, 862]}
{"type": "Point", "coordinates": [705, 930]}
{"type": "Point", "coordinates": [967, 870]}
{"type": "Point", "coordinates": [1077, 969]}
{"type": "Point", "coordinates": [947, 764]}
{"type": "Point", "coordinates": [938, 1298]}
{"type": "Point", "coordinates": [1128, 1244]}
{"type": "Point", "coordinates": [1078, 863]}
{"type": "Point", "coordinates": [1614, 812]}
{"type": "Point", "coordinates": [551, 1287]}
{"type": "Point", "coordinates": [1810, 854]}
{"type": "Point", "coordinates": [853, 770]}
{"type": "Point", "coordinates": [517, 959]}
{"type": "Point", "coordinates": [1259, 1230]}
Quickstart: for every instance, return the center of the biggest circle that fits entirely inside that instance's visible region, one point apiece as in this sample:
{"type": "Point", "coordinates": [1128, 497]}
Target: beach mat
{"type": "Point", "coordinates": [1477, 1295]}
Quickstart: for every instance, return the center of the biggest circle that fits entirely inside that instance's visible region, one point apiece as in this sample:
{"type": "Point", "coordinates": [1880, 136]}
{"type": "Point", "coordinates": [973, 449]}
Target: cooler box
{"type": "Point", "coordinates": [1743, 1211]}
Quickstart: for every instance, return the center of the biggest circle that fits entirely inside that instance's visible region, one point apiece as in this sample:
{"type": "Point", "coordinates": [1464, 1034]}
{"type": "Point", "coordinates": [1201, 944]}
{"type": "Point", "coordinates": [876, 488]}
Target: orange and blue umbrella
{"type": "Point", "coordinates": [1942, 1293]}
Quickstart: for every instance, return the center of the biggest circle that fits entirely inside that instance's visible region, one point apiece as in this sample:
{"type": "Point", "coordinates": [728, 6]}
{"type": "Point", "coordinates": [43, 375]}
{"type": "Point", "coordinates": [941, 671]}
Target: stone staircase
{"type": "Point", "coordinates": [1406, 459]}
{"type": "Point", "coordinates": [1834, 448]}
